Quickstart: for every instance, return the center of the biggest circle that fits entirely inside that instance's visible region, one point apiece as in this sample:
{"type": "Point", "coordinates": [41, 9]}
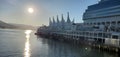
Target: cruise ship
{"type": "Point", "coordinates": [101, 26]}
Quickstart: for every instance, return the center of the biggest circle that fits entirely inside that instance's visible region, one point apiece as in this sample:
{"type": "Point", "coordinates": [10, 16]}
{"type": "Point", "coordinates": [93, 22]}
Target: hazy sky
{"type": "Point", "coordinates": [16, 11]}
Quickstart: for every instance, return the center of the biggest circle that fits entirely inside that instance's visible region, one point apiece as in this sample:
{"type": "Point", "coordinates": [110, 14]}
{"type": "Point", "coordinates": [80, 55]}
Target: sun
{"type": "Point", "coordinates": [30, 10]}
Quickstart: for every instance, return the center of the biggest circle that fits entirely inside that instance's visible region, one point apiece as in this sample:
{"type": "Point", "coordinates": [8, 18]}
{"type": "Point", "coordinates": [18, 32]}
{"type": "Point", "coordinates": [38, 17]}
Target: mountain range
{"type": "Point", "coordinates": [4, 25]}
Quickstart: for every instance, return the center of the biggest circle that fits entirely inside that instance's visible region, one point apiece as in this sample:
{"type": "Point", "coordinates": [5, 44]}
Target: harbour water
{"type": "Point", "coordinates": [23, 43]}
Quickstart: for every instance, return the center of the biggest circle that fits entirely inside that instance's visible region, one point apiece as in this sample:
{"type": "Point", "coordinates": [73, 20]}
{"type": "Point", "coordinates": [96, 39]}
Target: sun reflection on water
{"type": "Point", "coordinates": [27, 43]}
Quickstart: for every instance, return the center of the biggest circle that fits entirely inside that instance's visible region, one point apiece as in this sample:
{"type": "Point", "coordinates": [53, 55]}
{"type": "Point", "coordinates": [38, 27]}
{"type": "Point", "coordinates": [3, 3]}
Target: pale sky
{"type": "Point", "coordinates": [16, 11]}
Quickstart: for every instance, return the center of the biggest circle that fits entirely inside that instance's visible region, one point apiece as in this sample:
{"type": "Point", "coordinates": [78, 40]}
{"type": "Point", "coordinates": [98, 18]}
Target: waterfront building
{"type": "Point", "coordinates": [61, 25]}
{"type": "Point", "coordinates": [101, 25]}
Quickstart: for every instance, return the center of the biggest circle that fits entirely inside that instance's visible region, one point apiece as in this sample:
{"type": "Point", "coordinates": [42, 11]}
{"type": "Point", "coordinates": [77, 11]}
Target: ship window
{"type": "Point", "coordinates": [90, 23]}
{"type": "Point", "coordinates": [83, 33]}
{"type": "Point", "coordinates": [94, 23]}
{"type": "Point", "coordinates": [115, 37]}
{"type": "Point", "coordinates": [118, 22]}
{"type": "Point", "coordinates": [100, 34]}
{"type": "Point", "coordinates": [98, 23]}
{"type": "Point", "coordinates": [108, 22]}
{"type": "Point", "coordinates": [113, 23]}
{"type": "Point", "coordinates": [103, 23]}
{"type": "Point", "coordinates": [95, 34]}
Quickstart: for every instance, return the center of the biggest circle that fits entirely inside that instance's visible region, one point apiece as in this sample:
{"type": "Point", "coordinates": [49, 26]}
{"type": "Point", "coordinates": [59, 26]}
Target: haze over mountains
{"type": "Point", "coordinates": [5, 25]}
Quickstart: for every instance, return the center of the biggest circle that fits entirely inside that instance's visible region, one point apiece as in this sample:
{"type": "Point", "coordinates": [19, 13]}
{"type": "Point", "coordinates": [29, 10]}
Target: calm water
{"type": "Point", "coordinates": [19, 43]}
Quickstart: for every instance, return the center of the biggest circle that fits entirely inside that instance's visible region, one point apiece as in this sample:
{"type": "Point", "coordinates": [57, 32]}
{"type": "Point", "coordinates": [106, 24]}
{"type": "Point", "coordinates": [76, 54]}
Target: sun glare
{"type": "Point", "coordinates": [30, 10]}
{"type": "Point", "coordinates": [28, 32]}
{"type": "Point", "coordinates": [27, 43]}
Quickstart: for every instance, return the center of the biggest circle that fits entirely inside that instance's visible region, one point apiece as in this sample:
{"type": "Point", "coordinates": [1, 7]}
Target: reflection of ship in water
{"type": "Point", "coordinates": [101, 27]}
{"type": "Point", "coordinates": [43, 41]}
{"type": "Point", "coordinates": [62, 49]}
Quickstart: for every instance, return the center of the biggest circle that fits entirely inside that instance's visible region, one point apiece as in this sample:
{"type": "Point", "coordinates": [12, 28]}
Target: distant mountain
{"type": "Point", "coordinates": [22, 26]}
{"type": "Point", "coordinates": [15, 26]}
{"type": "Point", "coordinates": [5, 25]}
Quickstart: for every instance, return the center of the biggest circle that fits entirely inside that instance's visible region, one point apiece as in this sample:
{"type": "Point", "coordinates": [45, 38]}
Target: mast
{"type": "Point", "coordinates": [68, 18]}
